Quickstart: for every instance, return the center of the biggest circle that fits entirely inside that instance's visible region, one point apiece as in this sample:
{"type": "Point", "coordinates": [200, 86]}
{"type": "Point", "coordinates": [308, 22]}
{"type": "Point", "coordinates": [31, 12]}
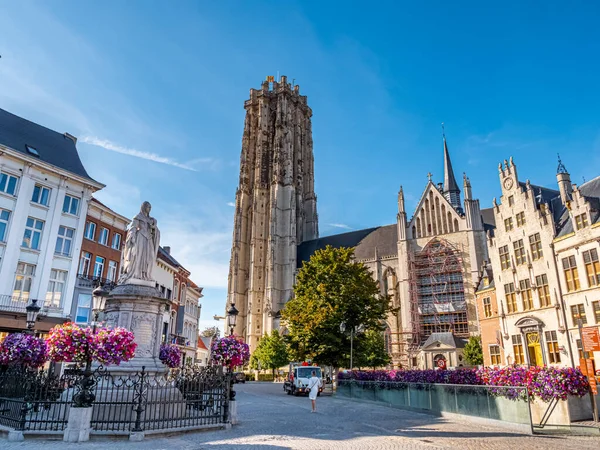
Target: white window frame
{"type": "Point", "coordinates": [34, 230]}
{"type": "Point", "coordinates": [111, 274]}
{"type": "Point", "coordinates": [54, 297]}
{"type": "Point", "coordinates": [90, 230]}
{"type": "Point", "coordinates": [4, 221]}
{"type": "Point", "coordinates": [5, 179]}
{"type": "Point", "coordinates": [24, 276]}
{"type": "Point", "coordinates": [103, 236]}
{"type": "Point", "coordinates": [63, 239]}
{"type": "Point", "coordinates": [85, 256]}
{"type": "Point", "coordinates": [98, 262]}
{"type": "Point", "coordinates": [79, 307]}
{"type": "Point", "coordinates": [38, 199]}
{"type": "Point", "coordinates": [116, 241]}
{"type": "Point", "coordinates": [67, 208]}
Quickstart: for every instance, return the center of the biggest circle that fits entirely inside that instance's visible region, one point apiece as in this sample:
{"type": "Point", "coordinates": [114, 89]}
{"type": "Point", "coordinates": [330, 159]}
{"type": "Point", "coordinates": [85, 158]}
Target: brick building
{"type": "Point", "coordinates": [100, 257]}
{"type": "Point", "coordinates": [489, 316]}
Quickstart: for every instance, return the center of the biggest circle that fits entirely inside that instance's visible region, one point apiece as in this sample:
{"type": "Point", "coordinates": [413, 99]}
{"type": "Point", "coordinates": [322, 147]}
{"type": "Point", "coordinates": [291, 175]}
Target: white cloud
{"type": "Point", "coordinates": [108, 145]}
{"type": "Point", "coordinates": [232, 204]}
{"type": "Point", "coordinates": [340, 225]}
{"type": "Point", "coordinates": [202, 250]}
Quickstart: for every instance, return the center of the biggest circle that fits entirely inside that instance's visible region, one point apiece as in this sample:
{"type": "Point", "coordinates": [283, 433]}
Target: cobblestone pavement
{"type": "Point", "coordinates": [271, 420]}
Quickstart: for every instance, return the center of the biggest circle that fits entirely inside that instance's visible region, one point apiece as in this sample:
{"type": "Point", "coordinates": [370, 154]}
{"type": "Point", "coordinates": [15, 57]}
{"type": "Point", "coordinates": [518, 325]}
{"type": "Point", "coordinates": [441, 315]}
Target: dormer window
{"type": "Point", "coordinates": [581, 221]}
{"type": "Point", "coordinates": [32, 151]}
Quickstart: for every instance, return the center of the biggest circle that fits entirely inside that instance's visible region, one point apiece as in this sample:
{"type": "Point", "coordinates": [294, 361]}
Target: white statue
{"type": "Point", "coordinates": [141, 248]}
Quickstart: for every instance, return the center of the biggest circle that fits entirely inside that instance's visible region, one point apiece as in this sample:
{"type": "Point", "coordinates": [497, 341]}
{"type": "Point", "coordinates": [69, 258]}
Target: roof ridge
{"type": "Point", "coordinates": [36, 124]}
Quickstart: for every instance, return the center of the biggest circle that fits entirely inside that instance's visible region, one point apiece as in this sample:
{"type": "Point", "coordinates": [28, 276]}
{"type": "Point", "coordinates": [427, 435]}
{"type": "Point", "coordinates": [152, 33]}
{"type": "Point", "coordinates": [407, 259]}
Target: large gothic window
{"type": "Point", "coordinates": [438, 288]}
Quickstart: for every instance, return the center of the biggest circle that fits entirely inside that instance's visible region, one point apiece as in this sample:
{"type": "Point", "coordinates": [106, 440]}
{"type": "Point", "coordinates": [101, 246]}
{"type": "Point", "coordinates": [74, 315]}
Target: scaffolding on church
{"type": "Point", "coordinates": [437, 296]}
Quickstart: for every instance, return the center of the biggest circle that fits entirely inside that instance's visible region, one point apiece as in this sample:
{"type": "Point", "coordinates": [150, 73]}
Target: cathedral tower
{"type": "Point", "coordinates": [275, 206]}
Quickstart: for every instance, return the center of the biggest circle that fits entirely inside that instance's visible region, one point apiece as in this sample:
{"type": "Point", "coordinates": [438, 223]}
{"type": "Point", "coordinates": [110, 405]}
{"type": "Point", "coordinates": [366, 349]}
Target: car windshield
{"type": "Point", "coordinates": [306, 372]}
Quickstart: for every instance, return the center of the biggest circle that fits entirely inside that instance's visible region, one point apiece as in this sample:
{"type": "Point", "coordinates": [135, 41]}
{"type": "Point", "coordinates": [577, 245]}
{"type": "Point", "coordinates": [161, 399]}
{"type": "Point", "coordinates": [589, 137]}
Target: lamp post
{"type": "Point", "coordinates": [232, 318]}
{"type": "Point", "coordinates": [85, 397]}
{"type": "Point", "coordinates": [33, 309]}
{"type": "Point", "coordinates": [353, 331]}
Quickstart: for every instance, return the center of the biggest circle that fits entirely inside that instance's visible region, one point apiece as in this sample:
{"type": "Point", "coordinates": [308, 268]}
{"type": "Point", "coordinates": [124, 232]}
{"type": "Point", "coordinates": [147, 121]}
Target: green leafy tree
{"type": "Point", "coordinates": [473, 352]}
{"type": "Point", "coordinates": [270, 353]}
{"type": "Point", "coordinates": [330, 289]}
{"type": "Point", "coordinates": [370, 350]}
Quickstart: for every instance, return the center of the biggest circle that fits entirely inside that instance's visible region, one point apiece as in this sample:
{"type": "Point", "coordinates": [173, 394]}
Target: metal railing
{"type": "Point", "coordinates": [184, 399]}
{"type": "Point", "coordinates": [14, 303]}
{"type": "Point", "coordinates": [35, 401]}
{"type": "Point", "coordinates": [190, 398]}
{"type": "Point", "coordinates": [92, 281]}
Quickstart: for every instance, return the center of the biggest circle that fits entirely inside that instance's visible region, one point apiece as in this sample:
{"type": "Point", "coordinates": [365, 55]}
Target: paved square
{"type": "Point", "coordinates": [271, 420]}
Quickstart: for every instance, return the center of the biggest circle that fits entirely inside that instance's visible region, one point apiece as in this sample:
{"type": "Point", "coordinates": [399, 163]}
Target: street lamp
{"type": "Point", "coordinates": [232, 318]}
{"type": "Point", "coordinates": [33, 310]}
{"type": "Point", "coordinates": [85, 397]}
{"type": "Point", "coordinates": [353, 330]}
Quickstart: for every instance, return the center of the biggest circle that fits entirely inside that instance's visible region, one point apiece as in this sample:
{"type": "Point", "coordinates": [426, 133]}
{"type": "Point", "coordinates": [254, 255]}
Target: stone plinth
{"type": "Point", "coordinates": [78, 426]}
{"type": "Point", "coordinates": [139, 308]}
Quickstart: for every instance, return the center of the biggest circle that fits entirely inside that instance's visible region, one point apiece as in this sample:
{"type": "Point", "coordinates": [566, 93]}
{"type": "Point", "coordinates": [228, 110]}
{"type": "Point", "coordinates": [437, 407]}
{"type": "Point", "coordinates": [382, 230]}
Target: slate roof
{"type": "Point", "coordinates": [350, 239]}
{"type": "Point", "coordinates": [446, 338]}
{"type": "Point", "coordinates": [385, 239]}
{"type": "Point", "coordinates": [489, 220]}
{"type": "Point", "coordinates": [54, 148]}
{"type": "Point", "coordinates": [591, 191]}
{"type": "Point", "coordinates": [167, 257]}
{"type": "Point", "coordinates": [487, 271]}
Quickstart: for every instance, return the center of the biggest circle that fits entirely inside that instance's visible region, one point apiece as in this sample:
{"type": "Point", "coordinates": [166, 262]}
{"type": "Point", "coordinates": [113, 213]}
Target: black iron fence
{"type": "Point", "coordinates": [35, 401]}
{"type": "Point", "coordinates": [189, 398]}
{"type": "Point", "coordinates": [194, 397]}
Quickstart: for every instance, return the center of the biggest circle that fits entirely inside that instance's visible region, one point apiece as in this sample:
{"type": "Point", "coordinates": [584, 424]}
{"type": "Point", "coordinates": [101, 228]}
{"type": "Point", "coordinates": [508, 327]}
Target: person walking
{"type": "Point", "coordinates": [314, 383]}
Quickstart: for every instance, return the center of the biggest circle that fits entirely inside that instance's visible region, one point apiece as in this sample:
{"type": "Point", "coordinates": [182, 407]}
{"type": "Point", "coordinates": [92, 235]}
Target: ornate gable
{"type": "Point", "coordinates": [434, 215]}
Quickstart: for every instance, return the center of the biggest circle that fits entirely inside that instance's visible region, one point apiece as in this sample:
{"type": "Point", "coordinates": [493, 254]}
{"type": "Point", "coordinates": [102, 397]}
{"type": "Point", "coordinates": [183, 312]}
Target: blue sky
{"type": "Point", "coordinates": [154, 91]}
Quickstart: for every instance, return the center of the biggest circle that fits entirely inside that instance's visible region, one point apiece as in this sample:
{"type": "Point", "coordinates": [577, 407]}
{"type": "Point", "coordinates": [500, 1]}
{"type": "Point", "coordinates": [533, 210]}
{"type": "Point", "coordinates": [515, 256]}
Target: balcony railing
{"type": "Point", "coordinates": [180, 340]}
{"type": "Point", "coordinates": [92, 281]}
{"type": "Point", "coordinates": [15, 304]}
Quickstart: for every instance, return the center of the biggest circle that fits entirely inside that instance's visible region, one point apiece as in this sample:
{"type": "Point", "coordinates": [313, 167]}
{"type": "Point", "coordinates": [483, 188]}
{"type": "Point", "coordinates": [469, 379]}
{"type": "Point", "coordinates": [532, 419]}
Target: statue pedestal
{"type": "Point", "coordinates": [139, 308]}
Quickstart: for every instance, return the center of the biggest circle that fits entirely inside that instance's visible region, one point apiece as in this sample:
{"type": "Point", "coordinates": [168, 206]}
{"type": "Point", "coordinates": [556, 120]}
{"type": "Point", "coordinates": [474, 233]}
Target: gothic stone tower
{"type": "Point", "coordinates": [275, 206]}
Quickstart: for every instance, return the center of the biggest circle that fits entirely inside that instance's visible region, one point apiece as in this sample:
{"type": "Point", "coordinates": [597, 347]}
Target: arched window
{"type": "Point", "coordinates": [455, 225]}
{"type": "Point", "coordinates": [440, 289]}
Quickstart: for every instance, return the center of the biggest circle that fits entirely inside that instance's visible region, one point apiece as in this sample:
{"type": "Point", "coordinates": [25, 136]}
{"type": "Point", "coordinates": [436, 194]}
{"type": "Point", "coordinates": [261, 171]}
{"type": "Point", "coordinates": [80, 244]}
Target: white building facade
{"type": "Point", "coordinates": [44, 195]}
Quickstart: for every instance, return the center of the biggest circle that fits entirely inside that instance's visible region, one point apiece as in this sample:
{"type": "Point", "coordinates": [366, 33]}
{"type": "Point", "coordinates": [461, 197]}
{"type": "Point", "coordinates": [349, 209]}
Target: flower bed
{"type": "Point", "coordinates": [544, 383]}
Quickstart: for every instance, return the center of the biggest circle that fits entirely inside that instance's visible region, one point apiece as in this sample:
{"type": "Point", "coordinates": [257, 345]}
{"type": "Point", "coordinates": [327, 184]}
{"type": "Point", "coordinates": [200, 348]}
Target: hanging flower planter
{"type": "Point", "coordinates": [114, 346]}
{"type": "Point", "coordinates": [230, 352]}
{"type": "Point", "coordinates": [70, 343]}
{"type": "Point", "coordinates": [24, 350]}
{"type": "Point", "coordinates": [170, 355]}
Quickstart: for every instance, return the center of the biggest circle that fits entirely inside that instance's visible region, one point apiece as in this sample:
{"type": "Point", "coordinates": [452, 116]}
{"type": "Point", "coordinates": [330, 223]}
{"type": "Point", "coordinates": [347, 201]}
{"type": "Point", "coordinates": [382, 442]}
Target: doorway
{"type": "Point", "coordinates": [534, 349]}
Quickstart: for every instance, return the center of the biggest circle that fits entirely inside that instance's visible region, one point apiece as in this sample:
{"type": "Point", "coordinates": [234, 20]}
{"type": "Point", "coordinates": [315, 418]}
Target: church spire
{"type": "Point", "coordinates": [451, 190]}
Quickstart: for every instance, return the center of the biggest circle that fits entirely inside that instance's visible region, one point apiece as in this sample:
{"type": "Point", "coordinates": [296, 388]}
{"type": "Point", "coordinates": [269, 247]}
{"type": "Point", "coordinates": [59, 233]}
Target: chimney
{"type": "Point", "coordinates": [564, 182]}
{"type": "Point", "coordinates": [167, 250]}
{"type": "Point", "coordinates": [70, 136]}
